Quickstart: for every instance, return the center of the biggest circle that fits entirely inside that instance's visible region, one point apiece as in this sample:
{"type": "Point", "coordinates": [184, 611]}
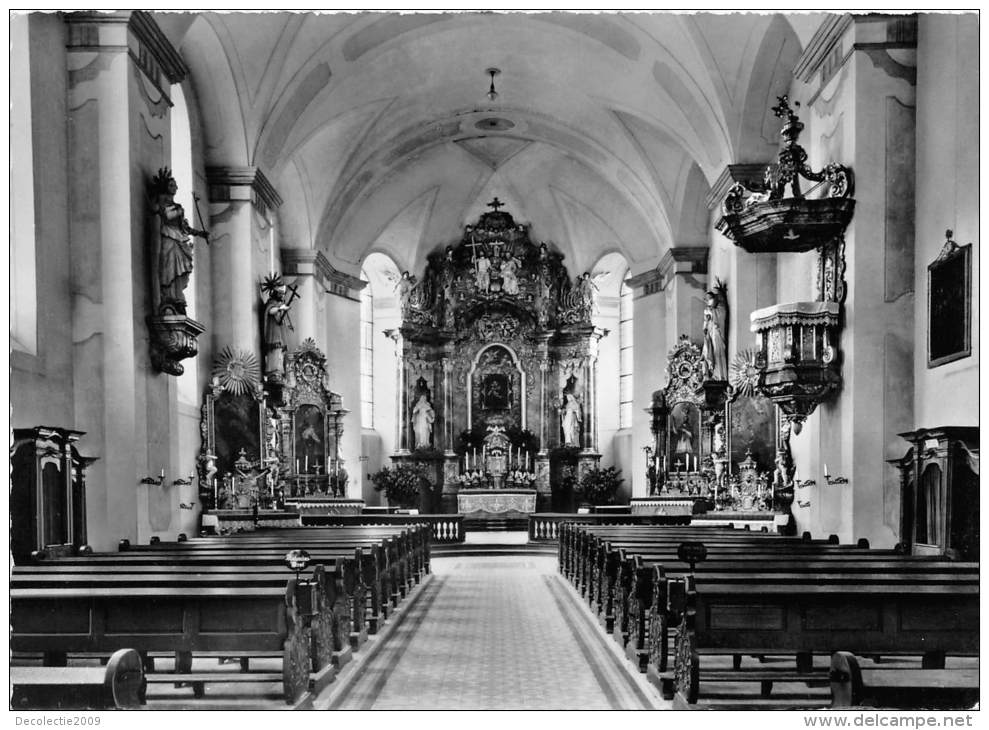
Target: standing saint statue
{"type": "Point", "coordinates": [509, 275]}
{"type": "Point", "coordinates": [715, 350]}
{"type": "Point", "coordinates": [174, 249]}
{"type": "Point", "coordinates": [570, 419]}
{"type": "Point", "coordinates": [276, 323]}
{"type": "Point", "coordinates": [423, 417]}
{"type": "Point", "coordinates": [483, 273]}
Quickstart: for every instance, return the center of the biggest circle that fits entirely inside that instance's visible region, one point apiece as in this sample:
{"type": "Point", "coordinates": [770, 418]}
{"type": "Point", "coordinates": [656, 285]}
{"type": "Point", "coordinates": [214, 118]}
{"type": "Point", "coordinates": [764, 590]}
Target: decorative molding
{"type": "Point", "coordinates": [678, 260]}
{"type": "Point", "coordinates": [821, 45]}
{"type": "Point", "coordinates": [650, 282]}
{"type": "Point", "coordinates": [146, 30]}
{"type": "Point", "coordinates": [683, 260]}
{"type": "Point", "coordinates": [310, 262]}
{"type": "Point", "coordinates": [147, 46]}
{"type": "Point", "coordinates": [745, 173]}
{"type": "Point", "coordinates": [826, 52]}
{"type": "Point", "coordinates": [223, 180]}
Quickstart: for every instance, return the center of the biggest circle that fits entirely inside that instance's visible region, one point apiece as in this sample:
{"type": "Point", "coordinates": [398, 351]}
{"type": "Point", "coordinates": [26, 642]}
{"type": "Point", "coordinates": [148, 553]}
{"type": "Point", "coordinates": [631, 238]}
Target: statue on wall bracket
{"type": "Point", "coordinates": [277, 322]}
{"type": "Point", "coordinates": [173, 334]}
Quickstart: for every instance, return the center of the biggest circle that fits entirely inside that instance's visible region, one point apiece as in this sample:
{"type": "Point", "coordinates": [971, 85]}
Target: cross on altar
{"type": "Point", "coordinates": [474, 245]}
{"type": "Point", "coordinates": [496, 204]}
{"type": "Point", "coordinates": [496, 245]}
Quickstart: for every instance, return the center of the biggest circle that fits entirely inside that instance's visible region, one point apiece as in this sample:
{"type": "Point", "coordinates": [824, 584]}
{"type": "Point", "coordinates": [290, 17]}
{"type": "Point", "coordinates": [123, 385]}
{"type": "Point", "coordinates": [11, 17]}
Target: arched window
{"type": "Point", "coordinates": [625, 354]}
{"type": "Point", "coordinates": [367, 354]}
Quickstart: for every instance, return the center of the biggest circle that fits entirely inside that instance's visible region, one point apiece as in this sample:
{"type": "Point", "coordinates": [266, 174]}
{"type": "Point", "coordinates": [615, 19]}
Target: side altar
{"type": "Point", "coordinates": [496, 369]}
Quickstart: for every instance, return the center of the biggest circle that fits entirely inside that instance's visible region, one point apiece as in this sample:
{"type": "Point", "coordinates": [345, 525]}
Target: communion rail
{"type": "Point", "coordinates": [545, 526]}
{"type": "Point", "coordinates": [445, 528]}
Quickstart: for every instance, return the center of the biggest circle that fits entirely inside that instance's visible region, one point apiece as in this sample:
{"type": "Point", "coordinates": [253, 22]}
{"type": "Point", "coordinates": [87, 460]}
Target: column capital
{"type": "Point", "coordinates": [839, 36]}
{"type": "Point", "coordinates": [680, 260]}
{"type": "Point", "coordinates": [242, 182]}
{"type": "Point", "coordinates": [310, 262]}
{"type": "Point", "coordinates": [133, 31]}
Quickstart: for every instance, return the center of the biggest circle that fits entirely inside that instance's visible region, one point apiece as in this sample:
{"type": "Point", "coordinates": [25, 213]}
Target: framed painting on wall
{"type": "Point", "coordinates": [949, 304]}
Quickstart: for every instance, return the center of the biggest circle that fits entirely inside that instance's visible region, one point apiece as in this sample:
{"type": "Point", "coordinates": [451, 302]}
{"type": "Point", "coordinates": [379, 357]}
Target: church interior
{"type": "Point", "coordinates": [463, 360]}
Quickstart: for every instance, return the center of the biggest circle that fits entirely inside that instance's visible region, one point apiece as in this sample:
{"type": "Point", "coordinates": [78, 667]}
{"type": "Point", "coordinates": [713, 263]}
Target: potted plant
{"type": "Point", "coordinates": [599, 486]}
{"type": "Point", "coordinates": [401, 484]}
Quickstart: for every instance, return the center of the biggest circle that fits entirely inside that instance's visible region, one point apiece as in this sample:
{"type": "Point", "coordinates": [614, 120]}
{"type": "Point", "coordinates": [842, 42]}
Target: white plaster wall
{"type": "Point", "coordinates": [649, 358]}
{"type": "Point", "coordinates": [41, 384]}
{"type": "Point", "coordinates": [607, 380]}
{"type": "Point", "coordinates": [343, 343]}
{"type": "Point", "coordinates": [947, 197]}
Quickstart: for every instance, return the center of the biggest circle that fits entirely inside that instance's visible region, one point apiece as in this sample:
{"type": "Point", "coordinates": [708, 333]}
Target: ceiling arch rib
{"type": "Point", "coordinates": [414, 143]}
{"type": "Point", "coordinates": [694, 91]}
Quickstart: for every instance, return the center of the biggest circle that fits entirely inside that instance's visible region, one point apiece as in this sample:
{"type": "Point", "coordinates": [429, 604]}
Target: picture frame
{"type": "Point", "coordinates": [949, 305]}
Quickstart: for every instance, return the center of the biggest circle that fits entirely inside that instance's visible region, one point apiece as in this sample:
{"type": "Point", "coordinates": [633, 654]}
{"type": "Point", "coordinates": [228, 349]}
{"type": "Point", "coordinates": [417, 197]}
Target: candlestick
{"type": "Point", "coordinates": [307, 463]}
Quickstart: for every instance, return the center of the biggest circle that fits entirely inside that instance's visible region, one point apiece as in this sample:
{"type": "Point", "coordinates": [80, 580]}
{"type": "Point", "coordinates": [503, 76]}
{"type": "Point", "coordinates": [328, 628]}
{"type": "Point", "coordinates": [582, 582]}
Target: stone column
{"type": "Point", "coordinates": [241, 205]}
{"type": "Point", "coordinates": [120, 69]}
{"type": "Point", "coordinates": [401, 395]}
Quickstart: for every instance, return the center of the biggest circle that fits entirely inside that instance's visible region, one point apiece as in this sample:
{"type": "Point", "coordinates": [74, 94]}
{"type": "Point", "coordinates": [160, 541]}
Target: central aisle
{"type": "Point", "coordinates": [496, 633]}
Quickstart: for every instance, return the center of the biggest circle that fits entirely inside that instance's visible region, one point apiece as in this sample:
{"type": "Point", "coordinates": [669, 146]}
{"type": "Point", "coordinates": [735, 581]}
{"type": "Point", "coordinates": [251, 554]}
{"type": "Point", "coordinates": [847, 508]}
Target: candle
{"type": "Point", "coordinates": [307, 463]}
{"type": "Point", "coordinates": [826, 472]}
{"type": "Point", "coordinates": [296, 466]}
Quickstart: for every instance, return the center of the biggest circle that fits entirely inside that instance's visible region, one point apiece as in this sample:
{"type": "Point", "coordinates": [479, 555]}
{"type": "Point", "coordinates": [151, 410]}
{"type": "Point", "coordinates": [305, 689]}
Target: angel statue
{"type": "Point", "coordinates": [171, 244]}
{"type": "Point", "coordinates": [715, 350]}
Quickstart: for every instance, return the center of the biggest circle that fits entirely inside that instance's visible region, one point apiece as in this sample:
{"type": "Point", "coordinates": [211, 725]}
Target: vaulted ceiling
{"type": "Point", "coordinates": [605, 136]}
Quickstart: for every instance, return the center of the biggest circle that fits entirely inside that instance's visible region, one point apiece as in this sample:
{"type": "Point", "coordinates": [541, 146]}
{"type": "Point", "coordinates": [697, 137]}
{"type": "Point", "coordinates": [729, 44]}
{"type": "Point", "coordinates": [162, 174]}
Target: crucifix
{"type": "Point", "coordinates": [496, 204]}
{"type": "Point", "coordinates": [496, 245]}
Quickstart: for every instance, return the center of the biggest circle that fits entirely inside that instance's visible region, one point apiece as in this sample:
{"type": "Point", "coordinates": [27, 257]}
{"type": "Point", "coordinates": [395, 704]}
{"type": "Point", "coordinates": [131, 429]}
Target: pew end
{"type": "Point", "coordinates": [900, 688]}
{"type": "Point", "coordinates": [120, 684]}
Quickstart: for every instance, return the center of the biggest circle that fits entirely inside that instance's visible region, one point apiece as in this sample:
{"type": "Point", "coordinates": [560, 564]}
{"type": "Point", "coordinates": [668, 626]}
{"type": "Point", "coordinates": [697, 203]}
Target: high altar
{"type": "Point", "coordinates": [497, 371]}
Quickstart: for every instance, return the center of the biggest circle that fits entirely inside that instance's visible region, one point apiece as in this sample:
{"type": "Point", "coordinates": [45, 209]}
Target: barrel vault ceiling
{"type": "Point", "coordinates": [605, 136]}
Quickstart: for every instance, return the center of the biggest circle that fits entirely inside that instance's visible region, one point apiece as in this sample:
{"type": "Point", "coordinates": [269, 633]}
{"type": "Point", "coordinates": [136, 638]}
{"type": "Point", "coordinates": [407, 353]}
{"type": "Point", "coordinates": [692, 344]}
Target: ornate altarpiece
{"type": "Point", "coordinates": [262, 452]}
{"type": "Point", "coordinates": [495, 334]}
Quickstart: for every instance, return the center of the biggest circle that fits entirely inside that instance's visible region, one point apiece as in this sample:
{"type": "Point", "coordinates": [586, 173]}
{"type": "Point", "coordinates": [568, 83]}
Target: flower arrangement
{"type": "Point", "coordinates": [599, 486]}
{"type": "Point", "coordinates": [401, 484]}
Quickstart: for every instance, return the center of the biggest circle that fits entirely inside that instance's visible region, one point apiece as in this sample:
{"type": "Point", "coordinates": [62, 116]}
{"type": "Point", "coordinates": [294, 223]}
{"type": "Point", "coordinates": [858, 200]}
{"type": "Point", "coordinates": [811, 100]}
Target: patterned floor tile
{"type": "Point", "coordinates": [496, 633]}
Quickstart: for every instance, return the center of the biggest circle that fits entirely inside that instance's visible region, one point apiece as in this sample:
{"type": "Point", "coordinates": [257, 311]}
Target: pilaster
{"type": "Point", "coordinates": [242, 203]}
{"type": "Point", "coordinates": [120, 68]}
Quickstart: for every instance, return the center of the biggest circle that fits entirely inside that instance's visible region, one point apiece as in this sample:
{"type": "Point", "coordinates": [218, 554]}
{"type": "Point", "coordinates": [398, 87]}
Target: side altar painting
{"type": "Point", "coordinates": [498, 364]}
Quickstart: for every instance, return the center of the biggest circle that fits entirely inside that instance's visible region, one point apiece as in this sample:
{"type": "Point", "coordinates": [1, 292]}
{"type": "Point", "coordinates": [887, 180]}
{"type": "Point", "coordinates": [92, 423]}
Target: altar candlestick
{"type": "Point", "coordinates": [307, 463]}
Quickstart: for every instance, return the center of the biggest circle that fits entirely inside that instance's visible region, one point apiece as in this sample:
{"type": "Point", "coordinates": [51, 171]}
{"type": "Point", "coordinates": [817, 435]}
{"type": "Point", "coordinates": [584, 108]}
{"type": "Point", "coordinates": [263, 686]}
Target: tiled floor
{"type": "Point", "coordinates": [499, 632]}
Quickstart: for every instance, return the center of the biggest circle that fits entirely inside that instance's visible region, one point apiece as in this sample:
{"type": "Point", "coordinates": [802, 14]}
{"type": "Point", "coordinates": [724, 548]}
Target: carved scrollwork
{"type": "Point", "coordinates": [322, 623]}
{"type": "Point", "coordinates": [296, 661]}
{"type": "Point", "coordinates": [658, 627]}
{"type": "Point", "coordinates": [686, 664]}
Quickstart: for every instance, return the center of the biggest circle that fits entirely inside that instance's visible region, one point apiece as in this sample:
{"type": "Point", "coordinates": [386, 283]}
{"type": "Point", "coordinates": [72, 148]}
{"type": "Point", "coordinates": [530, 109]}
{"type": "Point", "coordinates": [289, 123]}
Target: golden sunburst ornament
{"type": "Point", "coordinates": [237, 371]}
{"type": "Point", "coordinates": [743, 373]}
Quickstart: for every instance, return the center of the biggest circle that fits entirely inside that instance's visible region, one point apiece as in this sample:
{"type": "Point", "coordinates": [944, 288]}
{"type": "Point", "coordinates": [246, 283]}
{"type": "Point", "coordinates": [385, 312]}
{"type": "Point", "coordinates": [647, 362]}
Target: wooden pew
{"type": "Point", "coordinates": [898, 687]}
{"type": "Point", "coordinates": [118, 685]}
{"type": "Point", "coordinates": [184, 618]}
{"type": "Point", "coordinates": [354, 578]}
{"type": "Point", "coordinates": [811, 565]}
{"type": "Point", "coordinates": [740, 614]}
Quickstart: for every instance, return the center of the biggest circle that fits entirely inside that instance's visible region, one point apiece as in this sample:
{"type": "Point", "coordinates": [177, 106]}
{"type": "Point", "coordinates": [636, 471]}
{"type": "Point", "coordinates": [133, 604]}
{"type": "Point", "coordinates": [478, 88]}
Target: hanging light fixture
{"type": "Point", "coordinates": [492, 94]}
